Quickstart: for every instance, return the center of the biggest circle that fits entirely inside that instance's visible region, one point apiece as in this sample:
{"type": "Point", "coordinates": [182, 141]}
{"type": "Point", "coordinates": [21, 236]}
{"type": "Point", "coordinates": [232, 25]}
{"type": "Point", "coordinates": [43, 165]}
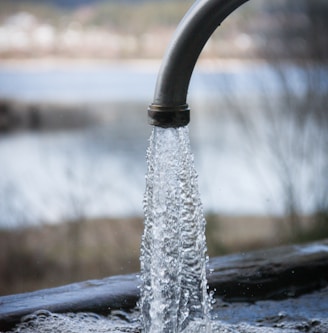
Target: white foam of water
{"type": "Point", "coordinates": [173, 252]}
{"type": "Point", "coordinates": [43, 321]}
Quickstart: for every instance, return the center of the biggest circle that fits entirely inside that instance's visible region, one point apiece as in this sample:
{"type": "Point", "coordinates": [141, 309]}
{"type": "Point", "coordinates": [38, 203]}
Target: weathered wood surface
{"type": "Point", "coordinates": [276, 273]}
{"type": "Point", "coordinates": [98, 296]}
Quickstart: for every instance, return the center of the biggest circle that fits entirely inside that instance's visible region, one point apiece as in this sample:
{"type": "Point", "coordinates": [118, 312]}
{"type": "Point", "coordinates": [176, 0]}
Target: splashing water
{"type": "Point", "coordinates": [173, 252]}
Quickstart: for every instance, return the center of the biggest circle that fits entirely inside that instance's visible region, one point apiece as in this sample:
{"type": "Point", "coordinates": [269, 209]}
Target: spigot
{"type": "Point", "coordinates": [169, 107]}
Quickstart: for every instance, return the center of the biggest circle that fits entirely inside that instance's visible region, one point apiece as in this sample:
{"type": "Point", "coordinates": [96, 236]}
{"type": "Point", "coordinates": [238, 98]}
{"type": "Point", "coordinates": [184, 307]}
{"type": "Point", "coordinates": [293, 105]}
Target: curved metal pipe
{"type": "Point", "coordinates": [169, 107]}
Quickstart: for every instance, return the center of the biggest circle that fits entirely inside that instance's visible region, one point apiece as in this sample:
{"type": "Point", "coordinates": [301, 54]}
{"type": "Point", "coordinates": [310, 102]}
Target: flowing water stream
{"type": "Point", "coordinates": [173, 252]}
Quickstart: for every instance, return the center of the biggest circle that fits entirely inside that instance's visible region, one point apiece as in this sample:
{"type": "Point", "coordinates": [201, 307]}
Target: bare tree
{"type": "Point", "coordinates": [298, 66]}
{"type": "Point", "coordinates": [291, 120]}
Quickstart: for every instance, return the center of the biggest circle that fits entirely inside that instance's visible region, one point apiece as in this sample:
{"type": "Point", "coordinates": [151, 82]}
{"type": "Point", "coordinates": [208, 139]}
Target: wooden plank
{"type": "Point", "coordinates": [276, 273]}
{"type": "Point", "coordinates": [98, 296]}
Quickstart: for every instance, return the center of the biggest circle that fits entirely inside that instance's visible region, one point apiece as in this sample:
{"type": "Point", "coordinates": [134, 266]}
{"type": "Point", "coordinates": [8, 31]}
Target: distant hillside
{"type": "Point", "coordinates": [71, 3]}
{"type": "Point", "coordinates": [77, 3]}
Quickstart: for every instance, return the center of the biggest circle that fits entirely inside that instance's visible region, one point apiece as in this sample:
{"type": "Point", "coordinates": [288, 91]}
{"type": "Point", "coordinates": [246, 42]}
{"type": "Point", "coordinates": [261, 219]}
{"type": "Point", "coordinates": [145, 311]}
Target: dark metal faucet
{"type": "Point", "coordinates": [169, 108]}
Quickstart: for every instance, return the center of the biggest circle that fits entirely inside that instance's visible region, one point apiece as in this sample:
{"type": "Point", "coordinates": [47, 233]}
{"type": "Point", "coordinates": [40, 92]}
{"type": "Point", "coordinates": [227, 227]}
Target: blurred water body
{"type": "Point", "coordinates": [98, 170]}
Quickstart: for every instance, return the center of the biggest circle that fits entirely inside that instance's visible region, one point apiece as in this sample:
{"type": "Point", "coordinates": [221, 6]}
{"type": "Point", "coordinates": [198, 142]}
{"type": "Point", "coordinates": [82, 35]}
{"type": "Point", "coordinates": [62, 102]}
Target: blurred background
{"type": "Point", "coordinates": [76, 78]}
